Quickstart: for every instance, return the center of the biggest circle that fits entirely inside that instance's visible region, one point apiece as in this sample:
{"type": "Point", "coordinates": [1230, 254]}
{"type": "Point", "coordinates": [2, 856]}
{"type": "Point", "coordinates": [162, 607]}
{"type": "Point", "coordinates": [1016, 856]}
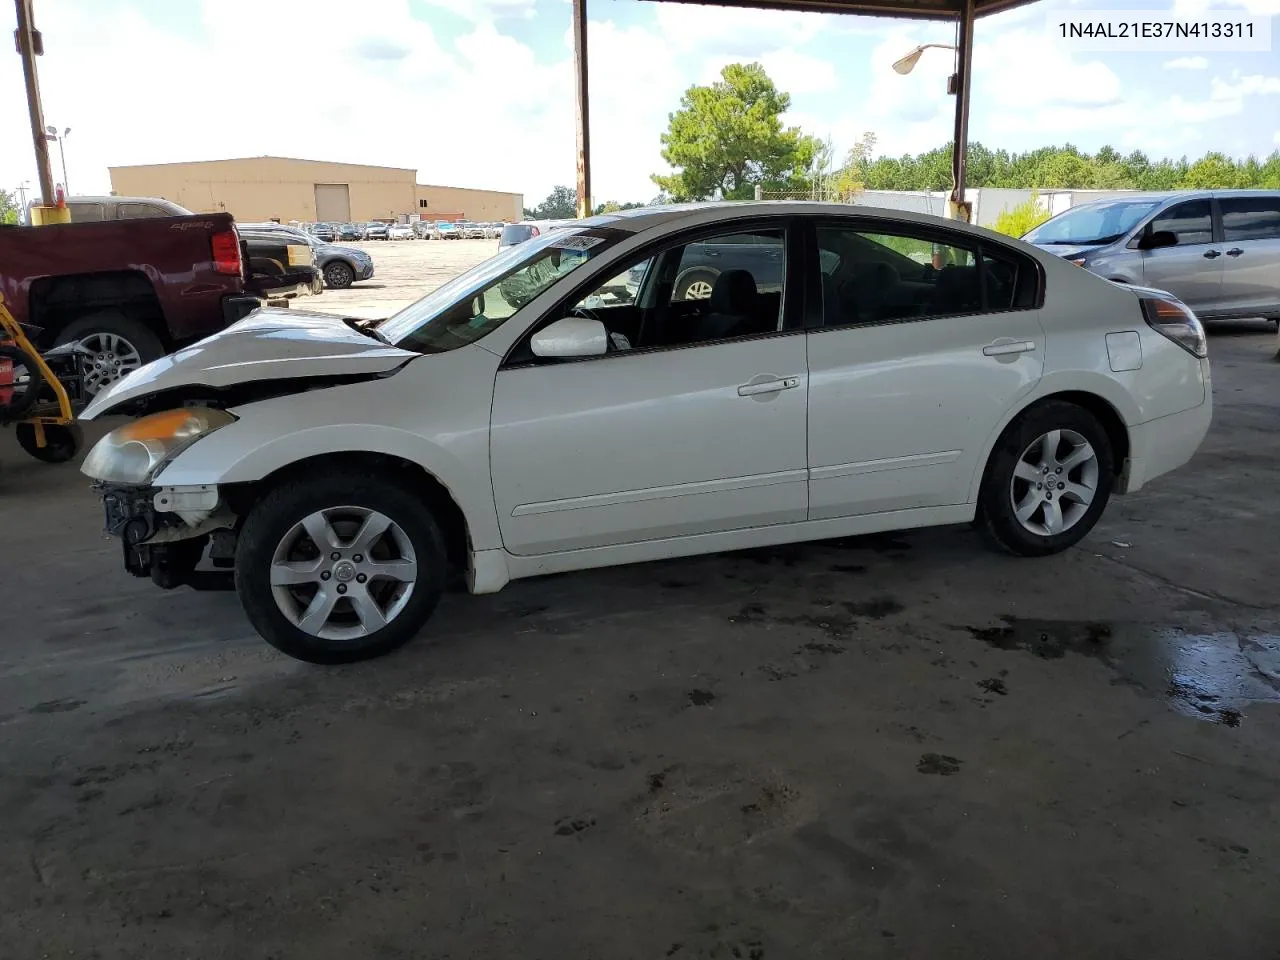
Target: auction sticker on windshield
{"type": "Point", "coordinates": [576, 242]}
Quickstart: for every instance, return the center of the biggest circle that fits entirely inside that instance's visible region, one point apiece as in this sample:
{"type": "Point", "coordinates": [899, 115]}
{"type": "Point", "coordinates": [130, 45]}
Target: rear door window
{"type": "Point", "coordinates": [1190, 222]}
{"type": "Point", "coordinates": [139, 211]}
{"type": "Point", "coordinates": [1250, 218]}
{"type": "Point", "coordinates": [86, 212]}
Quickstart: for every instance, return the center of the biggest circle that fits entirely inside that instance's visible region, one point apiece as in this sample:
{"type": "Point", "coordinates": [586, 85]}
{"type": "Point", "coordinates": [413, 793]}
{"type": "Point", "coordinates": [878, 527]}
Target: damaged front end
{"type": "Point", "coordinates": [165, 531]}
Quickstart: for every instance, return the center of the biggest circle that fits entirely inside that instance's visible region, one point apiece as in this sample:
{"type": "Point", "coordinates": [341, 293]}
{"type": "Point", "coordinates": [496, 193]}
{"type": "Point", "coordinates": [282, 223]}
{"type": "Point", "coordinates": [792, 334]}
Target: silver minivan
{"type": "Point", "coordinates": [1216, 250]}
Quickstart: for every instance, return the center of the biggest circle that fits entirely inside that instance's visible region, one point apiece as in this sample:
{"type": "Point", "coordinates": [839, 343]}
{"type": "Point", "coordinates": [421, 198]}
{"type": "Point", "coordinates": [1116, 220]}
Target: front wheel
{"type": "Point", "coordinates": [339, 568]}
{"type": "Point", "coordinates": [338, 275]}
{"type": "Point", "coordinates": [1047, 481]}
{"type": "Point", "coordinates": [117, 344]}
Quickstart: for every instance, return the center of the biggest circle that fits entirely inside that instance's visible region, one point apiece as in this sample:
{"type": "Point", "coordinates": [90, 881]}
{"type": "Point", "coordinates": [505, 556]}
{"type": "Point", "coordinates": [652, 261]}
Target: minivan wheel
{"type": "Point", "coordinates": [1047, 481]}
{"type": "Point", "coordinates": [339, 568]}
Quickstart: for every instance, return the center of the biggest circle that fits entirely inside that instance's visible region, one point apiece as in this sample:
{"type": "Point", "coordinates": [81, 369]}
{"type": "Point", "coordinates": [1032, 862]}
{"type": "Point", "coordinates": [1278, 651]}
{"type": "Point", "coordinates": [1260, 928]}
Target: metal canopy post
{"type": "Point", "coordinates": [584, 109]}
{"type": "Point", "coordinates": [29, 46]}
{"type": "Point", "coordinates": [960, 143]}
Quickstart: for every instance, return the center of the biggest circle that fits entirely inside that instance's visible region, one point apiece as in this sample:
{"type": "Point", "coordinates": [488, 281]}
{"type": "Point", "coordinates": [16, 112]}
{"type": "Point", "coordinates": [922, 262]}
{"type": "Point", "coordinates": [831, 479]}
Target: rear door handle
{"type": "Point", "coordinates": [1008, 348]}
{"type": "Point", "coordinates": [768, 386]}
{"type": "Point", "coordinates": [1212, 254]}
{"type": "Point", "coordinates": [1234, 252]}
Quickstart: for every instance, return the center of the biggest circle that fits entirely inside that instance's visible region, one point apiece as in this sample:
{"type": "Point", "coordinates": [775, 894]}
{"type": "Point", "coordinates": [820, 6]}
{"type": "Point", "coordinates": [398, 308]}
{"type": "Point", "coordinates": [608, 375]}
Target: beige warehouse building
{"type": "Point", "coordinates": [284, 189]}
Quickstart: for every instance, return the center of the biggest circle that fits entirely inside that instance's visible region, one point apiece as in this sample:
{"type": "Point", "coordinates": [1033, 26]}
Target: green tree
{"type": "Point", "coordinates": [1210, 171]}
{"type": "Point", "coordinates": [9, 212]}
{"type": "Point", "coordinates": [613, 206]}
{"type": "Point", "coordinates": [851, 179]}
{"type": "Point", "coordinates": [727, 138]}
{"type": "Point", "coordinates": [1018, 220]}
{"type": "Point", "coordinates": [561, 204]}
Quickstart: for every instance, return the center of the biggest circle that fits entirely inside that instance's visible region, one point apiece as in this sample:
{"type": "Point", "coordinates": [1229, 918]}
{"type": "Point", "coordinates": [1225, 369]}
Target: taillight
{"type": "Point", "coordinates": [1174, 319]}
{"type": "Point", "coordinates": [225, 245]}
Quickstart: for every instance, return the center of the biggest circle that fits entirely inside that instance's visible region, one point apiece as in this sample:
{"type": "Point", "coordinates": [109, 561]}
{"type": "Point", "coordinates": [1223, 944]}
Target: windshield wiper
{"type": "Point", "coordinates": [373, 333]}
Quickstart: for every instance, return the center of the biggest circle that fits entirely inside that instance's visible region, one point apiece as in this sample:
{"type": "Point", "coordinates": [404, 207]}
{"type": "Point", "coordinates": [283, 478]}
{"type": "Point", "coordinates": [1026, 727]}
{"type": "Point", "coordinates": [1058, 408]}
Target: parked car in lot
{"type": "Point", "coordinates": [375, 230]}
{"type": "Point", "coordinates": [504, 425]}
{"type": "Point", "coordinates": [400, 231]}
{"type": "Point", "coordinates": [471, 230]}
{"type": "Point", "coordinates": [350, 231]}
{"type": "Point", "coordinates": [281, 265]}
{"type": "Point", "coordinates": [1216, 250]}
{"type": "Point", "coordinates": [339, 265]}
{"type": "Point", "coordinates": [424, 229]}
{"type": "Point", "coordinates": [513, 233]}
{"type": "Point", "coordinates": [128, 290]}
{"type": "Point", "coordinates": [492, 231]}
{"type": "Point", "coordinates": [324, 231]}
{"type": "Point", "coordinates": [447, 231]}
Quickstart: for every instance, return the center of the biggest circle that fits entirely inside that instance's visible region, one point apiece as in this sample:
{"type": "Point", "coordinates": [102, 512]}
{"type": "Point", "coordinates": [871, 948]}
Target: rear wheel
{"type": "Point", "coordinates": [339, 568]}
{"type": "Point", "coordinates": [1047, 481]}
{"type": "Point", "coordinates": [119, 346]}
{"type": "Point", "coordinates": [61, 441]}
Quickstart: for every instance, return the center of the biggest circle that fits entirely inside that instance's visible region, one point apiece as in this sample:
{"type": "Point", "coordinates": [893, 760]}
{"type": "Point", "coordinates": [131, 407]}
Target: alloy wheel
{"type": "Point", "coordinates": [113, 357]}
{"type": "Point", "coordinates": [698, 290]}
{"type": "Point", "coordinates": [1054, 482]}
{"type": "Point", "coordinates": [343, 572]}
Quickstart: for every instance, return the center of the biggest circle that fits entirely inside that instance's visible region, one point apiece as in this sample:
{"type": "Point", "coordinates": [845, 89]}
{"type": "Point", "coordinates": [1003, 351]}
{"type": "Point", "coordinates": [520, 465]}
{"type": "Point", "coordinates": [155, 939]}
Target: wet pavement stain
{"type": "Point", "coordinates": [877, 608]}
{"type": "Point", "coordinates": [701, 698]}
{"type": "Point", "coordinates": [938, 764]}
{"type": "Point", "coordinates": [1213, 676]}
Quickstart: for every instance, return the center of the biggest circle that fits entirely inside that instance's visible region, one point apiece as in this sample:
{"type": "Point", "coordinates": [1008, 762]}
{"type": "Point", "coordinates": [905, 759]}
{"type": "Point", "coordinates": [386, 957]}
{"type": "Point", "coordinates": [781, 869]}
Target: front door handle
{"type": "Point", "coordinates": [768, 386]}
{"type": "Point", "coordinates": [1212, 254]}
{"type": "Point", "coordinates": [1008, 348]}
{"type": "Point", "coordinates": [1234, 252]}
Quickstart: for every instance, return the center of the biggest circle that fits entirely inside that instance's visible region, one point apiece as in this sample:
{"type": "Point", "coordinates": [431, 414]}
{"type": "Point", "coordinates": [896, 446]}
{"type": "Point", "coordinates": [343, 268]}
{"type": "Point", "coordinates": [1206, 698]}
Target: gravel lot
{"type": "Point", "coordinates": [889, 747]}
{"type": "Point", "coordinates": [403, 271]}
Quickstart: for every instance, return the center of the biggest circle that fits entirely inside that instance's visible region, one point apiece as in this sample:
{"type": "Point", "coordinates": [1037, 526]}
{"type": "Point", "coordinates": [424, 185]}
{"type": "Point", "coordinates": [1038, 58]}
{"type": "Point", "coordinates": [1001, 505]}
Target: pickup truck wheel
{"type": "Point", "coordinates": [120, 345]}
{"type": "Point", "coordinates": [338, 275]}
{"type": "Point", "coordinates": [695, 285]}
{"type": "Point", "coordinates": [339, 568]}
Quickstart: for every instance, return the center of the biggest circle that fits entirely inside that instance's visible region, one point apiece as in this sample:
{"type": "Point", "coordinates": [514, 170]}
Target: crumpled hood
{"type": "Point", "coordinates": [270, 344]}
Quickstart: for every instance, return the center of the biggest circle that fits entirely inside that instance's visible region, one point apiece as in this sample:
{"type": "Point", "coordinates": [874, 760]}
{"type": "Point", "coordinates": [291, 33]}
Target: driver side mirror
{"type": "Point", "coordinates": [571, 337]}
{"type": "Point", "coordinates": [1158, 240]}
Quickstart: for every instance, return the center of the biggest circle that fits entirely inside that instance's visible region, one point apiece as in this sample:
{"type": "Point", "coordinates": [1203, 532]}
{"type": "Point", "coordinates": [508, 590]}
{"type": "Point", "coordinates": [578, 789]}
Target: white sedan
{"type": "Point", "coordinates": [845, 370]}
{"type": "Point", "coordinates": [400, 231]}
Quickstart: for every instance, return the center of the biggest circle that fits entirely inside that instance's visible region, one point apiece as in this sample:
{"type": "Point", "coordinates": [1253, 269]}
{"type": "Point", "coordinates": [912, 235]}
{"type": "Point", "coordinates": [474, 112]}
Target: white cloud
{"type": "Point", "coordinates": [1187, 63]}
{"type": "Point", "coordinates": [1243, 86]}
{"type": "Point", "coordinates": [1257, 8]}
{"type": "Point", "coordinates": [799, 73]}
{"type": "Point", "coordinates": [1275, 138]}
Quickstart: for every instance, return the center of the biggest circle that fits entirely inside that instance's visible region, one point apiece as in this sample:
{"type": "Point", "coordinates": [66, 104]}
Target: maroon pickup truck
{"type": "Point", "coordinates": [128, 290]}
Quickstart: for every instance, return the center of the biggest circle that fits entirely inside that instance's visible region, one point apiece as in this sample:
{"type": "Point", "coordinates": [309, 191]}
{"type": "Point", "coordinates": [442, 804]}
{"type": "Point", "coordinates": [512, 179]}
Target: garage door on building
{"type": "Point", "coordinates": [333, 202]}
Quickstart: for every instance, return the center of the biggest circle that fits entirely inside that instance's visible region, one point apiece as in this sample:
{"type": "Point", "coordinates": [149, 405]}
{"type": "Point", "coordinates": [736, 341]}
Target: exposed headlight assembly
{"type": "Point", "coordinates": [136, 452]}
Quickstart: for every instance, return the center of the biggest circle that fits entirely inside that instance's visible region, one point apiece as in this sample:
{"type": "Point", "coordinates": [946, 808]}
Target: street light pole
{"type": "Point", "coordinates": [66, 187]}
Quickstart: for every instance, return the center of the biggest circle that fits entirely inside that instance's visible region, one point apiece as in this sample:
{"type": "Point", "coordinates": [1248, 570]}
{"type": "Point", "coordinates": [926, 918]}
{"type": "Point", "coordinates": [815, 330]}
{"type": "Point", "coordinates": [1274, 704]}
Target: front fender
{"type": "Point", "coordinates": [434, 413]}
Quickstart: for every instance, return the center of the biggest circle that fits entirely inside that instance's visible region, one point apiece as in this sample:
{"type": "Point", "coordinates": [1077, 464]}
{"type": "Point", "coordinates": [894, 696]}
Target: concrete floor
{"type": "Point", "coordinates": [896, 747]}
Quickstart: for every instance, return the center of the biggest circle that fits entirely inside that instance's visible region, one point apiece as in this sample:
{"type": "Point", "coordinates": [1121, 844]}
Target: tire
{"type": "Point", "coordinates": [20, 403]}
{"type": "Point", "coordinates": [1017, 465]}
{"type": "Point", "coordinates": [61, 441]}
{"type": "Point", "coordinates": [338, 275]}
{"type": "Point", "coordinates": [267, 540]}
{"type": "Point", "coordinates": [695, 285]}
{"type": "Point", "coordinates": [121, 345]}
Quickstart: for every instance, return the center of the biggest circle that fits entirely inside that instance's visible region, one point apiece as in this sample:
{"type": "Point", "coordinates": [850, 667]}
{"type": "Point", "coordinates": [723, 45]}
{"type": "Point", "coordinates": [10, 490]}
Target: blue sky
{"type": "Point", "coordinates": [480, 92]}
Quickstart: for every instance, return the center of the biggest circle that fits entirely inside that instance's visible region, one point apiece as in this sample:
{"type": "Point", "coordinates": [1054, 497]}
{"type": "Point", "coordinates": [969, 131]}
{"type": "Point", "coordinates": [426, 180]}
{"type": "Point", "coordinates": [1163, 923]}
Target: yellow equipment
{"type": "Point", "coordinates": [40, 407]}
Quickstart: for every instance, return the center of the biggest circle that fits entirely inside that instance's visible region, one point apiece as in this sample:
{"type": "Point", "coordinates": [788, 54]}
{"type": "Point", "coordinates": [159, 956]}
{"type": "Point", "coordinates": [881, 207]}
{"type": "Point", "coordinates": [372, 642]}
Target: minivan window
{"type": "Point", "coordinates": [1250, 218]}
{"type": "Point", "coordinates": [139, 211]}
{"type": "Point", "coordinates": [515, 233]}
{"type": "Point", "coordinates": [1190, 222]}
{"type": "Point", "coordinates": [1094, 223]}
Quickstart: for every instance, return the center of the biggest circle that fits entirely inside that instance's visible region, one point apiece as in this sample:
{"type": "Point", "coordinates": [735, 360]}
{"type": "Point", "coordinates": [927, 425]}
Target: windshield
{"type": "Point", "coordinates": [482, 299]}
{"type": "Point", "coordinates": [1095, 223]}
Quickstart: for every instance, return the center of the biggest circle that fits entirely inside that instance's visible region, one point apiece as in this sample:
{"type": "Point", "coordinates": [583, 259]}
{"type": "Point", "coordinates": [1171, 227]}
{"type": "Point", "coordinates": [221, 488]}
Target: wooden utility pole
{"type": "Point", "coordinates": [960, 144]}
{"type": "Point", "coordinates": [31, 46]}
{"type": "Point", "coordinates": [584, 107]}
